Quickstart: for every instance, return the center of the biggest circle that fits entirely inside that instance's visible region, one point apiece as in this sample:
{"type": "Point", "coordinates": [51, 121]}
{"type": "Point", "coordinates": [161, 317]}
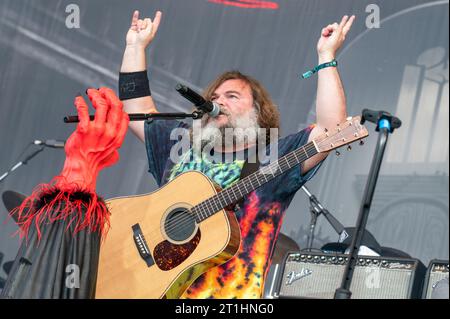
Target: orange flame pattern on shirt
{"type": "Point", "coordinates": [243, 275]}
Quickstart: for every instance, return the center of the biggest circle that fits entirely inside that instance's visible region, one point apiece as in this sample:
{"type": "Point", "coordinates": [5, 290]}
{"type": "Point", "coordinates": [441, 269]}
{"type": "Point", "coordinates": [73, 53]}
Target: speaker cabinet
{"type": "Point", "coordinates": [437, 271]}
{"type": "Point", "coordinates": [318, 275]}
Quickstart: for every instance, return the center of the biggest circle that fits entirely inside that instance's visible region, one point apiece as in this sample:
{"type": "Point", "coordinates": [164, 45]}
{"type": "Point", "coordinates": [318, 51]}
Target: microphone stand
{"type": "Point", "coordinates": [186, 92]}
{"type": "Point", "coordinates": [24, 162]}
{"type": "Point", "coordinates": [147, 116]}
{"type": "Point", "coordinates": [316, 209]}
{"type": "Point", "coordinates": [386, 123]}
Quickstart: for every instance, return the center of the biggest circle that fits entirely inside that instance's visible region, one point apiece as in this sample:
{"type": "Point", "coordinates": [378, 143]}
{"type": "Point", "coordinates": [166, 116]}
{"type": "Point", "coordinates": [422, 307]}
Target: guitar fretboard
{"type": "Point", "coordinates": [253, 181]}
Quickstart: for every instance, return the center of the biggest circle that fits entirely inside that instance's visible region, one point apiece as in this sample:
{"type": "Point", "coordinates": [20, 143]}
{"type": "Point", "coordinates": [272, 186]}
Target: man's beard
{"type": "Point", "coordinates": [239, 130]}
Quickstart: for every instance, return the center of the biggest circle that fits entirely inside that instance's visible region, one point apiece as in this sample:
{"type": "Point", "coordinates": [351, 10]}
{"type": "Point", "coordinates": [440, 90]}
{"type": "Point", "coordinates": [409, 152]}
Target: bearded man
{"type": "Point", "coordinates": [244, 105]}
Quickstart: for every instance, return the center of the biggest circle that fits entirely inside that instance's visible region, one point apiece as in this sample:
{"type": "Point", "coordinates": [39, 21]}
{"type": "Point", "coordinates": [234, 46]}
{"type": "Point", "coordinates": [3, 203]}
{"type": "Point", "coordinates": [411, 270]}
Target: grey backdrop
{"type": "Point", "coordinates": [401, 67]}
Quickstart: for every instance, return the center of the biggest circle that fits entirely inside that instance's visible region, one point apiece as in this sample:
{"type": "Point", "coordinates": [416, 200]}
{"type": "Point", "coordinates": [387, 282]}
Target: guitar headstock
{"type": "Point", "coordinates": [345, 133]}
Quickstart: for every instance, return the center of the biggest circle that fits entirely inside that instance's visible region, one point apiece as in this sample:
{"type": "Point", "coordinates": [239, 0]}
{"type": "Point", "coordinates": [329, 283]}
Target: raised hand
{"type": "Point", "coordinates": [332, 37]}
{"type": "Point", "coordinates": [142, 31]}
{"type": "Point", "coordinates": [94, 144]}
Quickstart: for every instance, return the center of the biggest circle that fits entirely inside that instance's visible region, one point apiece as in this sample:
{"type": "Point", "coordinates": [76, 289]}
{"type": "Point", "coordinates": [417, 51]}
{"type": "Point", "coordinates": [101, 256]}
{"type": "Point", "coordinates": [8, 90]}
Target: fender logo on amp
{"type": "Point", "coordinates": [294, 276]}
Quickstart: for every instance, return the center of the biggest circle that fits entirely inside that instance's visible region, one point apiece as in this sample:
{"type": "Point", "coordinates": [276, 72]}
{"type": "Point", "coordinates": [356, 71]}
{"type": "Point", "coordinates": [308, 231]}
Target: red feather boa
{"type": "Point", "coordinates": [49, 204]}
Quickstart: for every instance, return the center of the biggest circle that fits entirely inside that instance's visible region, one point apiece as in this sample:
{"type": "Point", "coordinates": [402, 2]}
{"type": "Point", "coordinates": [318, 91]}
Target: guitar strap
{"type": "Point", "coordinates": [250, 166]}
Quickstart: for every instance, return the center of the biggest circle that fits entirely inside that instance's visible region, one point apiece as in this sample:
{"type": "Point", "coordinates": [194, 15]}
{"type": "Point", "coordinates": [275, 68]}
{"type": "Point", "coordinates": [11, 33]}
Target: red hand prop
{"type": "Point", "coordinates": [93, 146]}
{"type": "Point", "coordinates": [71, 196]}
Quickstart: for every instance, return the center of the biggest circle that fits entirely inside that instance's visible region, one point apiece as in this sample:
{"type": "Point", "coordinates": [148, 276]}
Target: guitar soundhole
{"type": "Point", "coordinates": [179, 224]}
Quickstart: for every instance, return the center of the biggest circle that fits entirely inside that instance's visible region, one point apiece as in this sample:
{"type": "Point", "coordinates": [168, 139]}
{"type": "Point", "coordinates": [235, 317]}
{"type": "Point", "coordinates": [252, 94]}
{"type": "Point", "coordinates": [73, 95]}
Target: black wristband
{"type": "Point", "coordinates": [133, 85]}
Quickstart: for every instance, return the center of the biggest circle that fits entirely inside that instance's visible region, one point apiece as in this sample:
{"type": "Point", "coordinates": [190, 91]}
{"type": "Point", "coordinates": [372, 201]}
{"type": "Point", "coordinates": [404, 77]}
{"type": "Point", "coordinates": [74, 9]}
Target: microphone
{"type": "Point", "coordinates": [50, 143]}
{"type": "Point", "coordinates": [209, 107]}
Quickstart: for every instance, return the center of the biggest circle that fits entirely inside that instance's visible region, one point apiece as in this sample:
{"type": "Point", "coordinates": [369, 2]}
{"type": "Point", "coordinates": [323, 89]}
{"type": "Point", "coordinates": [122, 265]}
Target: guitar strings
{"type": "Point", "coordinates": [185, 220]}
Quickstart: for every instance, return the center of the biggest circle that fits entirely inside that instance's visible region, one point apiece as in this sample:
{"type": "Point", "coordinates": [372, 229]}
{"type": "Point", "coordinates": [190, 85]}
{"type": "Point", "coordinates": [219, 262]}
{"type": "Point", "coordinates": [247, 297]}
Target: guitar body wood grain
{"type": "Point", "coordinates": [122, 272]}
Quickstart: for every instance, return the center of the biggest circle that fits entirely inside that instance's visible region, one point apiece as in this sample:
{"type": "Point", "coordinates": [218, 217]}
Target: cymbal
{"type": "Point", "coordinates": [283, 245]}
{"type": "Point", "coordinates": [12, 200]}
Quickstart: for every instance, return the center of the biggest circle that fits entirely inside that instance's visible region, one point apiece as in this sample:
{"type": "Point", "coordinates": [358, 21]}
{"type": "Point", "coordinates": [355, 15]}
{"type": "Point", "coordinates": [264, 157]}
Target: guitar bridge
{"type": "Point", "coordinates": [141, 245]}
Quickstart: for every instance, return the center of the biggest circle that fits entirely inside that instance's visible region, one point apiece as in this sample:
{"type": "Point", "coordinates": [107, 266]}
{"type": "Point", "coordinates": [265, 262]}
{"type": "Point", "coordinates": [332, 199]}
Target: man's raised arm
{"type": "Point", "coordinates": [330, 102]}
{"type": "Point", "coordinates": [139, 36]}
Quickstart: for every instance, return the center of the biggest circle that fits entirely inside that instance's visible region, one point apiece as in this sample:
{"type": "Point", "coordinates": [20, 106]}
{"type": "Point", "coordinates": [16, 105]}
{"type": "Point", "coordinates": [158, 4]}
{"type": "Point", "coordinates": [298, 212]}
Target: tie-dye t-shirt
{"type": "Point", "coordinates": [260, 214]}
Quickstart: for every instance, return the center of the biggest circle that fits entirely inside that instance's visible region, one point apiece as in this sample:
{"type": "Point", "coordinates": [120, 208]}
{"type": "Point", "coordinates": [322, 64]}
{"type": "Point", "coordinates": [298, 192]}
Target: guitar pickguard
{"type": "Point", "coordinates": [168, 255]}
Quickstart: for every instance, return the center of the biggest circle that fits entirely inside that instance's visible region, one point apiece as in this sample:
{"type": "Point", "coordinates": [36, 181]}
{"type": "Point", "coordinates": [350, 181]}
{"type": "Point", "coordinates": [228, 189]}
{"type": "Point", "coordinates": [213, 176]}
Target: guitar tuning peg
{"type": "Point", "coordinates": [349, 148]}
{"type": "Point", "coordinates": [361, 142]}
{"type": "Point", "coordinates": [338, 153]}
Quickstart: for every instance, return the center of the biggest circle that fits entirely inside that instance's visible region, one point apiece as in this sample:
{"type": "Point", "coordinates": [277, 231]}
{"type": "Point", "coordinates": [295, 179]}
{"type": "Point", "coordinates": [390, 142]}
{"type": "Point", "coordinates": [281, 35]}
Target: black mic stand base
{"type": "Point", "coordinates": [341, 293]}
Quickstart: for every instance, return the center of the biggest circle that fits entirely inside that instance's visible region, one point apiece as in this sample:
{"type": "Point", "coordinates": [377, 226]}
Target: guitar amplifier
{"type": "Point", "coordinates": [437, 271]}
{"type": "Point", "coordinates": [318, 275]}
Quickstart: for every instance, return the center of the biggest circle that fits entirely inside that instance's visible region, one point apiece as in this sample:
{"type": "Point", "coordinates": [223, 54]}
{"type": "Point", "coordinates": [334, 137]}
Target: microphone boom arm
{"type": "Point", "coordinates": [145, 116]}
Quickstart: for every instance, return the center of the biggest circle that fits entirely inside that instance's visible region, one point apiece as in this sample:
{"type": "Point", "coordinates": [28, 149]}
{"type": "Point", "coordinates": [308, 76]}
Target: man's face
{"type": "Point", "coordinates": [236, 113]}
{"type": "Point", "coordinates": [235, 99]}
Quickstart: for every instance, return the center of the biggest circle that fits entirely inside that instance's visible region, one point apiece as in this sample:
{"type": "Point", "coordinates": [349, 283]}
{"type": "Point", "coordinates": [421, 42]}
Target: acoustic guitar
{"type": "Point", "coordinates": [159, 243]}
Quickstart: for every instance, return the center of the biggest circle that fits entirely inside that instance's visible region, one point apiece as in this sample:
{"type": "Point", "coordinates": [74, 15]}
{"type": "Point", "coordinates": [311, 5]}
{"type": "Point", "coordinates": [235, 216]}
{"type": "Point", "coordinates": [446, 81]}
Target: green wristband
{"type": "Point", "coordinates": [319, 67]}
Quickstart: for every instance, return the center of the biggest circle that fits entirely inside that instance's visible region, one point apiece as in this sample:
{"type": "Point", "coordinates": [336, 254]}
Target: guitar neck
{"type": "Point", "coordinates": [253, 181]}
